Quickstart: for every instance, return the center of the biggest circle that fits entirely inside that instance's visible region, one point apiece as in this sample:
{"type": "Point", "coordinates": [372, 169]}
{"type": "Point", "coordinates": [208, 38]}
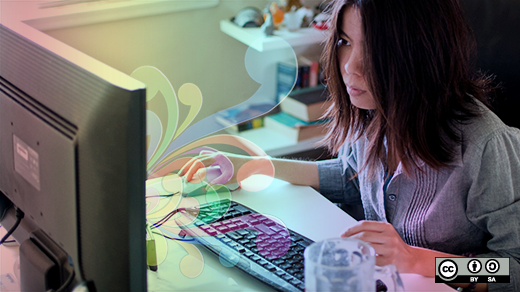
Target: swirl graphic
{"type": "Point", "coordinates": [172, 143]}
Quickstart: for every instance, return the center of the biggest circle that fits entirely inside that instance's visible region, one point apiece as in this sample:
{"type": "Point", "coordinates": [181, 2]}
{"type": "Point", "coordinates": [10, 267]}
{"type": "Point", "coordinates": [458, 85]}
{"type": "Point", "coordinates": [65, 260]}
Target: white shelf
{"type": "Point", "coordinates": [275, 144]}
{"type": "Point", "coordinates": [255, 38]}
{"type": "Point", "coordinates": [83, 13]}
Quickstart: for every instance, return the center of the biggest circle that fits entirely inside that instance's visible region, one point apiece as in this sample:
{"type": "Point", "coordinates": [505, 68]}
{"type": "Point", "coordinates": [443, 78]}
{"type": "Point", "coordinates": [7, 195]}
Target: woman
{"type": "Point", "coordinates": [436, 171]}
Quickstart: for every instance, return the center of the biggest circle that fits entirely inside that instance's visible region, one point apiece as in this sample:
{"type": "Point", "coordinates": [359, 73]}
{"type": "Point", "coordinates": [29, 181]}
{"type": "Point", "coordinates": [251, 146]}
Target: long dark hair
{"type": "Point", "coordinates": [418, 65]}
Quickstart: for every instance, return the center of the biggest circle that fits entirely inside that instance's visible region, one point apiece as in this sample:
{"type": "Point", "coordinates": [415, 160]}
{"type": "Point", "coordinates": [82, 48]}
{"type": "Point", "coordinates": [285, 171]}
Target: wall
{"type": "Point", "coordinates": [188, 47]}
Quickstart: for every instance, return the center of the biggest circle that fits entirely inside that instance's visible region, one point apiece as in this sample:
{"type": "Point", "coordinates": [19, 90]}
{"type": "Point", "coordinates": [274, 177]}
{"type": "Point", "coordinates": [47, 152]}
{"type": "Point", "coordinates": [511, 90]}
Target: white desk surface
{"type": "Point", "coordinates": [300, 208]}
{"type": "Point", "coordinates": [8, 258]}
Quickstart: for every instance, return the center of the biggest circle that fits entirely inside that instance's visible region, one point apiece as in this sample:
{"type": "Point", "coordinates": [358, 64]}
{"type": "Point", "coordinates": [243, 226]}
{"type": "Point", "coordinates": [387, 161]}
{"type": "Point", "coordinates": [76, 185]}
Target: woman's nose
{"type": "Point", "coordinates": [354, 64]}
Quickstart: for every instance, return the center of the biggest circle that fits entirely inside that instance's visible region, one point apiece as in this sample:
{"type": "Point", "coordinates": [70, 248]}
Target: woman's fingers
{"type": "Point", "coordinates": [363, 225]}
{"type": "Point", "coordinates": [196, 163]}
{"type": "Point", "coordinates": [371, 237]}
{"type": "Point", "coordinates": [385, 240]}
{"type": "Point", "coordinates": [196, 172]}
{"type": "Point", "coordinates": [186, 166]}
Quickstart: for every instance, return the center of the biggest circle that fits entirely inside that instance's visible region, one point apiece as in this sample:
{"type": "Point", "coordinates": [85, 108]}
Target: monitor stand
{"type": "Point", "coordinates": [43, 264]}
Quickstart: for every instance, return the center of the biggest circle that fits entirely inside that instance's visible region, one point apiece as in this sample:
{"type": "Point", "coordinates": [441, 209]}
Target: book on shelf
{"type": "Point", "coordinates": [243, 118]}
{"type": "Point", "coordinates": [293, 128]}
{"type": "Point", "coordinates": [307, 104]}
{"type": "Point", "coordinates": [308, 69]}
{"type": "Point", "coordinates": [285, 78]}
{"type": "Point", "coordinates": [306, 73]}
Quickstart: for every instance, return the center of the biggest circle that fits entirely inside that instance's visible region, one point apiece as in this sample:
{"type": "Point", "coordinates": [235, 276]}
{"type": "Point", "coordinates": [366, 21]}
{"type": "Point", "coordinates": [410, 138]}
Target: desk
{"type": "Point", "coordinates": [8, 259]}
{"type": "Point", "coordinates": [301, 209]}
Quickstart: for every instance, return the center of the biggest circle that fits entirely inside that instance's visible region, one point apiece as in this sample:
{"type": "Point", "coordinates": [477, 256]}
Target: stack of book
{"type": "Point", "coordinates": [302, 102]}
{"type": "Point", "coordinates": [301, 114]}
{"type": "Point", "coordinates": [243, 118]}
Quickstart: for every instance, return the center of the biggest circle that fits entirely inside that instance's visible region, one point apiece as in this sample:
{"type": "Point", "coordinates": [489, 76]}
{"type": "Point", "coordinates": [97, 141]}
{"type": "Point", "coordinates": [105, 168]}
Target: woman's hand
{"type": "Point", "coordinates": [389, 246]}
{"type": "Point", "coordinates": [224, 168]}
{"type": "Point", "coordinates": [217, 166]}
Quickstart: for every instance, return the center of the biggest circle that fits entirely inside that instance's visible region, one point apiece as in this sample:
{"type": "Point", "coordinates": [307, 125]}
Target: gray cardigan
{"type": "Point", "coordinates": [472, 206]}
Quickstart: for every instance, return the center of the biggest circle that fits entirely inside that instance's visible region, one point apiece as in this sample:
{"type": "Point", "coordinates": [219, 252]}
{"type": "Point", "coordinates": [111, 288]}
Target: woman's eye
{"type": "Point", "coordinates": [343, 42]}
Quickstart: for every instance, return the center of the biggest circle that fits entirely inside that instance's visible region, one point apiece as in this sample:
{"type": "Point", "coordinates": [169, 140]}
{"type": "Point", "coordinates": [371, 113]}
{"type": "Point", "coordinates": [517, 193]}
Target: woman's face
{"type": "Point", "coordinates": [350, 55]}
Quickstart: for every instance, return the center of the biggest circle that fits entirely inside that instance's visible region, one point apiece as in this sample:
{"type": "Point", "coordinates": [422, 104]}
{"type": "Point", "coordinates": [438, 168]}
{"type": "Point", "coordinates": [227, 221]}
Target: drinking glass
{"type": "Point", "coordinates": [345, 264]}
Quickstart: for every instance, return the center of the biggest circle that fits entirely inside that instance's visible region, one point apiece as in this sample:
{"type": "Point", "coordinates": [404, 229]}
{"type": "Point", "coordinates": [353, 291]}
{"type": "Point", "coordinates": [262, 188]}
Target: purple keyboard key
{"type": "Point", "coordinates": [223, 229]}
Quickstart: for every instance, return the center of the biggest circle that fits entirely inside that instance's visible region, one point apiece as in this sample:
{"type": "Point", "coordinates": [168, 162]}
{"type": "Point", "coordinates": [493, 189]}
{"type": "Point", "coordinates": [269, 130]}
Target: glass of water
{"type": "Point", "coordinates": [344, 264]}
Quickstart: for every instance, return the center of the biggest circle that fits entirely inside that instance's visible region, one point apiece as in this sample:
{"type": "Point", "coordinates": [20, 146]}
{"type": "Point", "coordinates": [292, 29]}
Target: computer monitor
{"type": "Point", "coordinates": [73, 159]}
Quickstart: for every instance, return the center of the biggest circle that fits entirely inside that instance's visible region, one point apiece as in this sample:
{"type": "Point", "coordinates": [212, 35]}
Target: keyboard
{"type": "Point", "coordinates": [259, 245]}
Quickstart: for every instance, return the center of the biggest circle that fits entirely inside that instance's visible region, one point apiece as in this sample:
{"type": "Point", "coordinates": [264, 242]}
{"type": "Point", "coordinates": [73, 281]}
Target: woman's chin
{"type": "Point", "coordinates": [363, 103]}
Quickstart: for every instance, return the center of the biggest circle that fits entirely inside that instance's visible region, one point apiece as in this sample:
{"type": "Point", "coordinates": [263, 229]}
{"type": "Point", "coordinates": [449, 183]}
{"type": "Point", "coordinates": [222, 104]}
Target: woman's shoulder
{"type": "Point", "coordinates": [353, 151]}
{"type": "Point", "coordinates": [486, 130]}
